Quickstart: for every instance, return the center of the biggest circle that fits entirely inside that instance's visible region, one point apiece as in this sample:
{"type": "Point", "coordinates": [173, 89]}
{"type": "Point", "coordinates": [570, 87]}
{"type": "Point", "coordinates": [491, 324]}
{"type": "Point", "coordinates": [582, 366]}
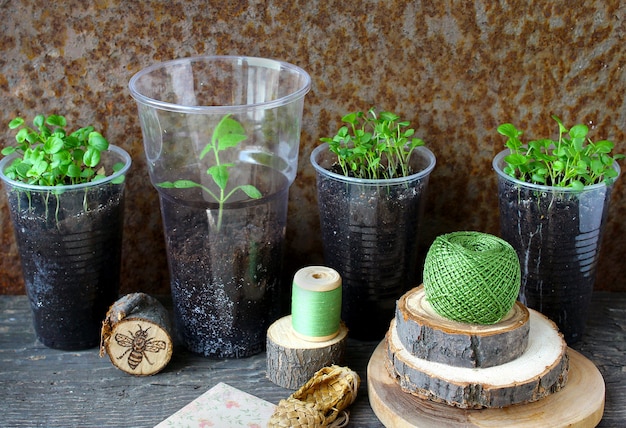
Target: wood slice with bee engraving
{"type": "Point", "coordinates": [136, 335]}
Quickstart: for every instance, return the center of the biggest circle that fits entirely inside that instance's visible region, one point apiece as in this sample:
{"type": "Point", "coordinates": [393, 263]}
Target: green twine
{"type": "Point", "coordinates": [316, 303]}
{"type": "Point", "coordinates": [471, 277]}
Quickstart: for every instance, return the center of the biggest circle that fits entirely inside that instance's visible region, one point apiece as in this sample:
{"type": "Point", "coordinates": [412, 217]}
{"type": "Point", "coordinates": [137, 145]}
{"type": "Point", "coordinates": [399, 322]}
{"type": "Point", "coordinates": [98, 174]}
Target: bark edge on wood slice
{"type": "Point", "coordinates": [428, 335]}
{"type": "Point", "coordinates": [579, 404]}
{"type": "Point", "coordinates": [540, 371]}
{"type": "Point", "coordinates": [292, 361]}
{"type": "Point", "coordinates": [136, 335]}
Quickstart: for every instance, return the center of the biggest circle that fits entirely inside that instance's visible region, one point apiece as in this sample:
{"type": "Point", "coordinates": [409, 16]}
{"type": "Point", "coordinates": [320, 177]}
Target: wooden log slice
{"type": "Point", "coordinates": [292, 361]}
{"type": "Point", "coordinates": [136, 335]}
{"type": "Point", "coordinates": [580, 403]}
{"type": "Point", "coordinates": [540, 371]}
{"type": "Point", "coordinates": [427, 335]}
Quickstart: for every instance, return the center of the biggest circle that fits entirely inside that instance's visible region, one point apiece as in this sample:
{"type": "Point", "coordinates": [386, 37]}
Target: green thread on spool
{"type": "Point", "coordinates": [471, 277]}
{"type": "Point", "coordinates": [316, 303]}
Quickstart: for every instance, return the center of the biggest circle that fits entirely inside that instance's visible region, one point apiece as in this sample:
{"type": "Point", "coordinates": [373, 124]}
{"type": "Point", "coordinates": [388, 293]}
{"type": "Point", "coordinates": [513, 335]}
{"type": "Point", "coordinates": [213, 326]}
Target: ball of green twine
{"type": "Point", "coordinates": [471, 277]}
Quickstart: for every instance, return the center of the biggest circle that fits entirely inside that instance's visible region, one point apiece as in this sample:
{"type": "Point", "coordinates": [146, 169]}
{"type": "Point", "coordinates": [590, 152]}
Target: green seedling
{"type": "Point", "coordinates": [374, 146]}
{"type": "Point", "coordinates": [49, 156]}
{"type": "Point", "coordinates": [571, 161]}
{"type": "Point", "coordinates": [227, 134]}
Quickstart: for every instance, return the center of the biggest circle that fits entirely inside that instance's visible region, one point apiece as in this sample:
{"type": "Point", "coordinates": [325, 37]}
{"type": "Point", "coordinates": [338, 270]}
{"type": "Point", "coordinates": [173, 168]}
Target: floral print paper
{"type": "Point", "coordinates": [222, 407]}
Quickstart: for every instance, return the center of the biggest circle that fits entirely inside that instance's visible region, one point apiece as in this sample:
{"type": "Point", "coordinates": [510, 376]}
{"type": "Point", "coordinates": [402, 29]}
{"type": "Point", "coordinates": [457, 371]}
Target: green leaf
{"type": "Point", "coordinates": [224, 129]}
{"type": "Point", "coordinates": [350, 118]}
{"type": "Point", "coordinates": [16, 123]}
{"type": "Point", "coordinates": [579, 131]}
{"type": "Point", "coordinates": [53, 145]}
{"type": "Point", "coordinates": [8, 150]}
{"type": "Point", "coordinates": [91, 158]}
{"type": "Point", "coordinates": [206, 150]}
{"type": "Point", "coordinates": [87, 173]}
{"type": "Point", "coordinates": [98, 142]}
{"type": "Point", "coordinates": [38, 169]}
{"type": "Point", "coordinates": [22, 169]}
{"type": "Point", "coordinates": [178, 184]}
{"type": "Point", "coordinates": [562, 129]}
{"type": "Point", "coordinates": [230, 140]}
{"type": "Point", "coordinates": [39, 121]}
{"type": "Point", "coordinates": [56, 120]}
{"type": "Point", "coordinates": [509, 130]}
{"type": "Point", "coordinates": [73, 171]}
{"type": "Point", "coordinates": [515, 159]}
{"type": "Point", "coordinates": [538, 178]}
{"type": "Point", "coordinates": [251, 191]}
{"type": "Point", "coordinates": [389, 116]}
{"type": "Point", "coordinates": [219, 174]}
{"type": "Point", "coordinates": [119, 179]}
{"type": "Point", "coordinates": [604, 146]}
{"type": "Point", "coordinates": [23, 135]}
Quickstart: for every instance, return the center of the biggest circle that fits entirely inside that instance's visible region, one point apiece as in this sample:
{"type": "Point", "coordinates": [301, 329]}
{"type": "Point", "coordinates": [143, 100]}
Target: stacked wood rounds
{"type": "Point", "coordinates": [313, 336]}
{"type": "Point", "coordinates": [519, 360]}
{"type": "Point", "coordinates": [435, 371]}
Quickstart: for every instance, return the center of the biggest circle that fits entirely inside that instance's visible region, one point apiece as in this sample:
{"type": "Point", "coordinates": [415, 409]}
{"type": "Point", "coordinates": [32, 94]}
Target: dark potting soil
{"type": "Point", "coordinates": [70, 261]}
{"type": "Point", "coordinates": [557, 238]}
{"type": "Point", "coordinates": [370, 237]}
{"type": "Point", "coordinates": [225, 284]}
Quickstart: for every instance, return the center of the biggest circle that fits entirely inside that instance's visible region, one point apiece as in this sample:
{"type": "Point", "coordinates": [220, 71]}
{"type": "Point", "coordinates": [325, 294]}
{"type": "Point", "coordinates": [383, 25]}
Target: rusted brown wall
{"type": "Point", "coordinates": [455, 68]}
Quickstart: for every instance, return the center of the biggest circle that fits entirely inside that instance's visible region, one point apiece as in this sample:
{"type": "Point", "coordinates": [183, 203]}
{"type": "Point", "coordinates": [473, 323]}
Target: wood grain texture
{"type": "Point", "coordinates": [579, 404]}
{"type": "Point", "coordinates": [291, 360]}
{"type": "Point", "coordinates": [427, 335]}
{"type": "Point", "coordinates": [137, 335]}
{"type": "Point", "coordinates": [540, 371]}
{"type": "Point", "coordinates": [44, 387]}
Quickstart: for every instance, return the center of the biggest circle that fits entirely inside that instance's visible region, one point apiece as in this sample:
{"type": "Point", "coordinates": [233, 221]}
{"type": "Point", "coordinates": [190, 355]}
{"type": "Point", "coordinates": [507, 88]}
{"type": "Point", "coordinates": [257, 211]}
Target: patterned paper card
{"type": "Point", "coordinates": [222, 407]}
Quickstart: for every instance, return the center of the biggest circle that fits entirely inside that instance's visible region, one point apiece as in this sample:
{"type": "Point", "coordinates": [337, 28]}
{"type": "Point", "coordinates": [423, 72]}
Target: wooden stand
{"type": "Point", "coordinates": [541, 370]}
{"type": "Point", "coordinates": [427, 335]}
{"type": "Point", "coordinates": [580, 403]}
{"type": "Point", "coordinates": [136, 335]}
{"type": "Point", "coordinates": [292, 361]}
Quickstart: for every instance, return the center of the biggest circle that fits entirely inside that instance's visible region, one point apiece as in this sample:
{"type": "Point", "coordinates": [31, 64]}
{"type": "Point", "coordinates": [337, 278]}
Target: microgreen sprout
{"type": "Point", "coordinates": [571, 161]}
{"type": "Point", "coordinates": [374, 146]}
{"type": "Point", "coordinates": [49, 156]}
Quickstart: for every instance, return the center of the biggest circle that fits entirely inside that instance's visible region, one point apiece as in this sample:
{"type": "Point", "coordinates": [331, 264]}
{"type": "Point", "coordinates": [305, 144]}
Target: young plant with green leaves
{"type": "Point", "coordinates": [571, 161]}
{"type": "Point", "coordinates": [227, 134]}
{"type": "Point", "coordinates": [50, 156]}
{"type": "Point", "coordinates": [374, 146]}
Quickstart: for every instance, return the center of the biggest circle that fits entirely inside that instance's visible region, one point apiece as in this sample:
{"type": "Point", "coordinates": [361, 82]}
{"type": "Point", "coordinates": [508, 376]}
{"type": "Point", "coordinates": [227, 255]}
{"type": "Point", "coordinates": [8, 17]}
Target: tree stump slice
{"type": "Point", "coordinates": [580, 403]}
{"type": "Point", "coordinates": [292, 361]}
{"type": "Point", "coordinates": [136, 335]}
{"type": "Point", "coordinates": [428, 335]}
{"type": "Point", "coordinates": [540, 371]}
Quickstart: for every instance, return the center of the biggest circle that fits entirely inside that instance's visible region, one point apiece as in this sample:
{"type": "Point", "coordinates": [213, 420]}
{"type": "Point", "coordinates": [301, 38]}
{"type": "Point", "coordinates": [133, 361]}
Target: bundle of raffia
{"type": "Point", "coordinates": [320, 402]}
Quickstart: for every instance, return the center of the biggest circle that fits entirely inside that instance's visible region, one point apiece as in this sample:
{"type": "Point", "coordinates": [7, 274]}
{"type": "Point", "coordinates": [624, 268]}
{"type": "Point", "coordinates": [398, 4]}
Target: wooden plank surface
{"type": "Point", "coordinates": [45, 387]}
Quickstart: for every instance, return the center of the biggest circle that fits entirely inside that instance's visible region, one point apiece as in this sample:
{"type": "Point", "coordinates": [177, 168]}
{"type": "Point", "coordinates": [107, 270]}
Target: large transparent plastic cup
{"type": "Point", "coordinates": [225, 247]}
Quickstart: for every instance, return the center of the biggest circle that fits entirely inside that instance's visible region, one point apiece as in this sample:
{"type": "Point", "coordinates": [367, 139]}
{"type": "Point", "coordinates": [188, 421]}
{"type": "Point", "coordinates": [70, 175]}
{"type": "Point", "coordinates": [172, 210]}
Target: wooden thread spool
{"type": "Point", "coordinates": [297, 349]}
{"type": "Point", "coordinates": [316, 303]}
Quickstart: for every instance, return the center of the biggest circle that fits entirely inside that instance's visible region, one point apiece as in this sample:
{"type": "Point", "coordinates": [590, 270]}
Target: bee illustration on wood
{"type": "Point", "coordinates": [138, 344]}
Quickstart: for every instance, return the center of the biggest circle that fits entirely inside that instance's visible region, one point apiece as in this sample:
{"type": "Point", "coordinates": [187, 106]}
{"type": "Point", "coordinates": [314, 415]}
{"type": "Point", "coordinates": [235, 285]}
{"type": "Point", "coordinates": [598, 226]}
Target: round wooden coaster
{"type": "Point", "coordinates": [580, 403]}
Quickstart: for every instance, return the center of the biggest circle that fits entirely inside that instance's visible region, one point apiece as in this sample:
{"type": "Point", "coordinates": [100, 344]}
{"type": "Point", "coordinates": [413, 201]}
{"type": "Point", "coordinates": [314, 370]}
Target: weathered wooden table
{"type": "Point", "coordinates": [51, 388]}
